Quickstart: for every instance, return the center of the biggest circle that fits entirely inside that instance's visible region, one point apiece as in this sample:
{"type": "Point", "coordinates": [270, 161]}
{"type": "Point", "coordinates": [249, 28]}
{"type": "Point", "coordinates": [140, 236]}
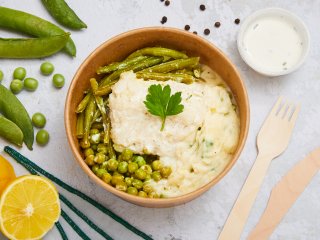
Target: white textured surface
{"type": "Point", "coordinates": [204, 217]}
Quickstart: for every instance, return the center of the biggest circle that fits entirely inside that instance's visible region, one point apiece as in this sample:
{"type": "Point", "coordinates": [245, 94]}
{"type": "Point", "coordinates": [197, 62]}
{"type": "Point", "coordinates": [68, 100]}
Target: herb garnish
{"type": "Point", "coordinates": [160, 102]}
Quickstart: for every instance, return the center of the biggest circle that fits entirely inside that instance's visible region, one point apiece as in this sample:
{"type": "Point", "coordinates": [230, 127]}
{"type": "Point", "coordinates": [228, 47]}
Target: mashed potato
{"type": "Point", "coordinates": [197, 143]}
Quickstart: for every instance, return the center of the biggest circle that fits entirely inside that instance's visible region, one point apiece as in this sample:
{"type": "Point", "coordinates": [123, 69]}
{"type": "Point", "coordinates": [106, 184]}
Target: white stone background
{"type": "Point", "coordinates": [204, 217]}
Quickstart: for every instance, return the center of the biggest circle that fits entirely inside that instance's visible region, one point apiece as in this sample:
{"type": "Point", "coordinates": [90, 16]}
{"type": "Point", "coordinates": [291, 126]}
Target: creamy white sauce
{"type": "Point", "coordinates": [197, 143]}
{"type": "Point", "coordinates": [273, 43]}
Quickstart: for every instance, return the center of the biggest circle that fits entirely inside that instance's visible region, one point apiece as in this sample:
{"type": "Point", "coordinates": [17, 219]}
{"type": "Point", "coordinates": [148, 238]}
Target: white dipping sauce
{"type": "Point", "coordinates": [273, 43]}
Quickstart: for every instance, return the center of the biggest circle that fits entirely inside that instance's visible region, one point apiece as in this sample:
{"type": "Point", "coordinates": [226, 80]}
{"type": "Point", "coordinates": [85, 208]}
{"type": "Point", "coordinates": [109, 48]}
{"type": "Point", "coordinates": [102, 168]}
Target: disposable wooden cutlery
{"type": "Point", "coordinates": [272, 140]}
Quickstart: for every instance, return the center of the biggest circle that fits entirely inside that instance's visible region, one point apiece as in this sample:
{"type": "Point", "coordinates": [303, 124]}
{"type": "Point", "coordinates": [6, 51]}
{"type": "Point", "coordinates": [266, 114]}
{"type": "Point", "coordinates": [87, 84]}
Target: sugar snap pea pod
{"type": "Point", "coordinates": [151, 61]}
{"type": "Point", "coordinates": [12, 109]}
{"type": "Point", "coordinates": [27, 23]}
{"type": "Point", "coordinates": [100, 104]}
{"type": "Point", "coordinates": [174, 65]}
{"type": "Point", "coordinates": [159, 52]}
{"type": "Point", "coordinates": [83, 104]}
{"type": "Point", "coordinates": [63, 14]}
{"type": "Point", "coordinates": [88, 116]}
{"type": "Point", "coordinates": [80, 129]}
{"type": "Point", "coordinates": [10, 131]}
{"type": "Point", "coordinates": [32, 47]}
{"type": "Point", "coordinates": [120, 65]}
{"type": "Point", "coordinates": [178, 77]}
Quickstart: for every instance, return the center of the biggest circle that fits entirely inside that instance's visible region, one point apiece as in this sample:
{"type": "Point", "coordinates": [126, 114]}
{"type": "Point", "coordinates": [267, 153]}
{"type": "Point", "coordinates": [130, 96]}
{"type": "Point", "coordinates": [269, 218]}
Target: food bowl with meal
{"type": "Point", "coordinates": [157, 116]}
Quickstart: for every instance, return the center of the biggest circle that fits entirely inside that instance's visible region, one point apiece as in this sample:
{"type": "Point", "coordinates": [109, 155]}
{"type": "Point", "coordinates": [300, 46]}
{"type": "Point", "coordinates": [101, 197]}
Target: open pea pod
{"type": "Point", "coordinates": [12, 109]}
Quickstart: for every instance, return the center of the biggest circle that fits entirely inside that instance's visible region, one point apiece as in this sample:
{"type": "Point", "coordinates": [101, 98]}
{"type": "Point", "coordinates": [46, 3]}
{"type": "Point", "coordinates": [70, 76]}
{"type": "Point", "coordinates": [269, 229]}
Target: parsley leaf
{"type": "Point", "coordinates": [160, 102]}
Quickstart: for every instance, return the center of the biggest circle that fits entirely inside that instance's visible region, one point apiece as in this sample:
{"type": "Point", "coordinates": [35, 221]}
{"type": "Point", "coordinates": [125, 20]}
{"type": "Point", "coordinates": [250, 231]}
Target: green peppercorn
{"type": "Point", "coordinates": [89, 160]}
{"type": "Point", "coordinates": [139, 160]}
{"type": "Point", "coordinates": [132, 191]}
{"type": "Point", "coordinates": [142, 194]}
{"type": "Point", "coordinates": [106, 177]}
{"type": "Point", "coordinates": [112, 164]}
{"type": "Point", "coordinates": [165, 172]}
{"type": "Point", "coordinates": [140, 174]}
{"type": "Point", "coordinates": [132, 167]}
{"type": "Point", "coordinates": [138, 184]}
{"type": "Point", "coordinates": [100, 158]}
{"type": "Point", "coordinates": [123, 167]}
{"type": "Point", "coordinates": [156, 165]}
{"type": "Point", "coordinates": [156, 176]}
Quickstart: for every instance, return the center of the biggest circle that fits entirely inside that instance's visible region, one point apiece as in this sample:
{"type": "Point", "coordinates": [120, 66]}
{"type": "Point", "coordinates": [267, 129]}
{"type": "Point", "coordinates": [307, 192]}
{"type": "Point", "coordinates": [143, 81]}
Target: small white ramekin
{"type": "Point", "coordinates": [274, 12]}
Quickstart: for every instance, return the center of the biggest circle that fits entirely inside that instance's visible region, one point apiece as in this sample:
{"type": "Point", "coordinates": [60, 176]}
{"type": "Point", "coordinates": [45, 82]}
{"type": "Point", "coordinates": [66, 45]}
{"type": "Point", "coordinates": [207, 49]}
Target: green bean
{"type": "Point", "coordinates": [96, 115]}
{"type": "Point", "coordinates": [10, 131]}
{"type": "Point", "coordinates": [104, 90]}
{"type": "Point", "coordinates": [111, 151]}
{"type": "Point", "coordinates": [174, 65]}
{"type": "Point", "coordinates": [88, 115]}
{"type": "Point", "coordinates": [159, 52]}
{"type": "Point", "coordinates": [84, 102]}
{"type": "Point", "coordinates": [184, 78]}
{"type": "Point", "coordinates": [80, 129]}
{"type": "Point", "coordinates": [120, 65]}
{"type": "Point", "coordinates": [184, 71]}
{"type": "Point", "coordinates": [63, 14]}
{"type": "Point", "coordinates": [12, 109]}
{"type": "Point", "coordinates": [97, 125]}
{"type": "Point", "coordinates": [151, 61]}
{"type": "Point", "coordinates": [32, 47]}
{"type": "Point", "coordinates": [32, 25]}
{"type": "Point", "coordinates": [105, 117]}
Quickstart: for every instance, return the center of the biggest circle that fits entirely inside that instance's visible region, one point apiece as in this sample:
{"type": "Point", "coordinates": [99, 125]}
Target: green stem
{"type": "Point", "coordinates": [163, 122]}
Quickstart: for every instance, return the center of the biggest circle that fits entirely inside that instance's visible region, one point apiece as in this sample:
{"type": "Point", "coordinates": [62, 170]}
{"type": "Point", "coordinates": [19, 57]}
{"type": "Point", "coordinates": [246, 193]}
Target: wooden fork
{"type": "Point", "coordinates": [272, 140]}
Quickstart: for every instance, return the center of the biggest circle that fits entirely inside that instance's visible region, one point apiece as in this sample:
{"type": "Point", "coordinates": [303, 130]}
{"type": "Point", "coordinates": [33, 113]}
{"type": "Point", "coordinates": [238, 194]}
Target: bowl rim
{"type": "Point", "coordinates": [269, 12]}
{"type": "Point", "coordinates": [147, 202]}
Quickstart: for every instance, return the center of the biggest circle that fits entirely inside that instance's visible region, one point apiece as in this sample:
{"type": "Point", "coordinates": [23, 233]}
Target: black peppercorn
{"type": "Point", "coordinates": [187, 27]}
{"type": "Point", "coordinates": [164, 19]}
{"type": "Point", "coordinates": [202, 7]}
{"type": "Point", "coordinates": [217, 24]}
{"type": "Point", "coordinates": [206, 31]}
{"type": "Point", "coordinates": [237, 21]}
{"type": "Point", "coordinates": [194, 32]}
{"type": "Point", "coordinates": [167, 3]}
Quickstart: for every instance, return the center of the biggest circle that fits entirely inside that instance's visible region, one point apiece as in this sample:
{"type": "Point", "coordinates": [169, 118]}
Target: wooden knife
{"type": "Point", "coordinates": [285, 193]}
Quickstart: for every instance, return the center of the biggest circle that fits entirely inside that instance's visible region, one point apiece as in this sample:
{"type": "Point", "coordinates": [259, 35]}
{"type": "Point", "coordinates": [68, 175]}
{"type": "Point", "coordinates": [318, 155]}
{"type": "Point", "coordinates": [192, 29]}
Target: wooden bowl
{"type": "Point", "coordinates": [121, 46]}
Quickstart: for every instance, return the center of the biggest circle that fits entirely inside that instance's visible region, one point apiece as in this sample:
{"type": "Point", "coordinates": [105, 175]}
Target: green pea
{"type": "Point", "coordinates": [122, 186]}
{"type": "Point", "coordinates": [148, 177]}
{"type": "Point", "coordinates": [104, 165]}
{"type": "Point", "coordinates": [95, 168]}
{"type": "Point", "coordinates": [117, 179]}
{"type": "Point", "coordinates": [156, 176]}
{"type": "Point", "coordinates": [42, 137]}
{"type": "Point", "coordinates": [58, 80]}
{"type": "Point", "coordinates": [123, 167]}
{"type": "Point", "coordinates": [128, 181]}
{"type": "Point", "coordinates": [30, 84]}
{"type": "Point", "coordinates": [147, 188]}
{"type": "Point", "coordinates": [85, 144]}
{"type": "Point", "coordinates": [132, 190]}
{"type": "Point", "coordinates": [88, 151]}
{"type": "Point", "coordinates": [132, 167]}
{"type": "Point", "coordinates": [106, 177]}
{"type": "Point", "coordinates": [16, 86]}
{"type": "Point", "coordinates": [39, 120]}
{"type": "Point", "coordinates": [165, 172]}
{"type": "Point", "coordinates": [139, 160]}
{"type": "Point", "coordinates": [153, 195]}
{"type": "Point", "coordinates": [100, 158]}
{"type": "Point", "coordinates": [19, 73]}
{"type": "Point", "coordinates": [127, 154]}
{"type": "Point", "coordinates": [89, 160]}
{"type": "Point", "coordinates": [146, 168]}
{"type": "Point", "coordinates": [142, 194]}
{"type": "Point", "coordinates": [140, 174]}
{"type": "Point", "coordinates": [94, 147]}
{"type": "Point", "coordinates": [100, 172]}
{"type": "Point", "coordinates": [95, 138]}
{"type": "Point", "coordinates": [112, 164]}
{"type": "Point", "coordinates": [137, 183]}
{"type": "Point", "coordinates": [156, 165]}
{"type": "Point", "coordinates": [102, 148]}
{"type": "Point", "coordinates": [46, 68]}
{"type": "Point", "coordinates": [1, 75]}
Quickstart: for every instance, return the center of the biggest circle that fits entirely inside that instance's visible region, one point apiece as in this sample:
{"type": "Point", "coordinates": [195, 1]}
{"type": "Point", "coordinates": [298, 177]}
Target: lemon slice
{"type": "Point", "coordinates": [7, 174]}
{"type": "Point", "coordinates": [29, 207]}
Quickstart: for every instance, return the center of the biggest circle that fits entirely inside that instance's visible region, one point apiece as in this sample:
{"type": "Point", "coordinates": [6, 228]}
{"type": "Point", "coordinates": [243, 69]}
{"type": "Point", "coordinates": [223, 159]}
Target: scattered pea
{"type": "Point", "coordinates": [46, 68]}
{"type": "Point", "coordinates": [42, 137]}
{"type": "Point", "coordinates": [30, 84]}
{"type": "Point", "coordinates": [39, 120]}
{"type": "Point", "coordinates": [58, 80]}
{"type": "Point", "coordinates": [16, 86]}
{"type": "Point", "coordinates": [19, 73]}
